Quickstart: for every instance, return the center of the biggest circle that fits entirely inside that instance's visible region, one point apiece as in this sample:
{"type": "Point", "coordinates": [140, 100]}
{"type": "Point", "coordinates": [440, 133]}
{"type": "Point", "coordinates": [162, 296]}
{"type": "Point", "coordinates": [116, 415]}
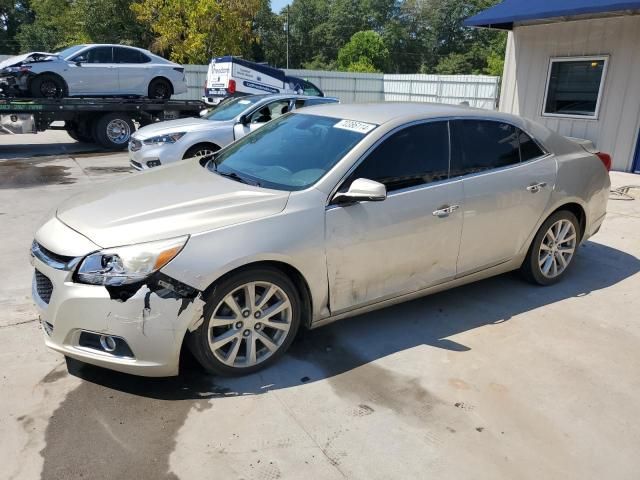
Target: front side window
{"type": "Point", "coordinates": [270, 111]}
{"type": "Point", "coordinates": [230, 109]}
{"type": "Point", "coordinates": [479, 145]}
{"type": "Point", "coordinates": [574, 86]}
{"type": "Point", "coordinates": [290, 153]}
{"type": "Point", "coordinates": [416, 155]}
{"type": "Point", "coordinates": [96, 55]}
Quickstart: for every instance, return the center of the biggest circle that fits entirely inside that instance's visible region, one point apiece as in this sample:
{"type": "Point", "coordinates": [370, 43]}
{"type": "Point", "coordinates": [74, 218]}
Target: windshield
{"type": "Point", "coordinates": [291, 152]}
{"type": "Point", "coordinates": [231, 109]}
{"type": "Point", "coordinates": [67, 52]}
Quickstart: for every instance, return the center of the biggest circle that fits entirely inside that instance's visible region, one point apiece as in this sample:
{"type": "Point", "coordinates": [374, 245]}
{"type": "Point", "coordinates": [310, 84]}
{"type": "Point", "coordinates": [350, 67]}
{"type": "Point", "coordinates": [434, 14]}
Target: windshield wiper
{"type": "Point", "coordinates": [236, 177]}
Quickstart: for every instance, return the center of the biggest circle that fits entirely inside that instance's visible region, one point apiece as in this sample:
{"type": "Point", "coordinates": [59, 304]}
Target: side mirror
{"type": "Point", "coordinates": [244, 120]}
{"type": "Point", "coordinates": [362, 190]}
{"type": "Point", "coordinates": [78, 63]}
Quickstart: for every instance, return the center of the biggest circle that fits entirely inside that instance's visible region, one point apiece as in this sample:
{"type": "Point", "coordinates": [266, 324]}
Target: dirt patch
{"type": "Point", "coordinates": [105, 170]}
{"type": "Point", "coordinates": [32, 173]}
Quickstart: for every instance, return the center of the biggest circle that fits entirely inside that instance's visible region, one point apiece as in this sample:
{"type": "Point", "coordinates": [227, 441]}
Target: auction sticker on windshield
{"type": "Point", "coordinates": [355, 126]}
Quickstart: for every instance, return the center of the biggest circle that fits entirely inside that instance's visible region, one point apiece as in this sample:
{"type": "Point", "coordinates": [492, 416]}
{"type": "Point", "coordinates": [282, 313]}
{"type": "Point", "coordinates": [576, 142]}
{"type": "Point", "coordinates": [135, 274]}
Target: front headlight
{"type": "Point", "coordinates": [167, 138]}
{"type": "Point", "coordinates": [130, 264]}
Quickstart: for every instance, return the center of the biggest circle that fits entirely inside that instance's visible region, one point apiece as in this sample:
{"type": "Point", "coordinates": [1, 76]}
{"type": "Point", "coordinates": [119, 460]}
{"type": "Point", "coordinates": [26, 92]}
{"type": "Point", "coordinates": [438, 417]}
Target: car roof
{"type": "Point", "coordinates": [384, 112]}
{"type": "Point", "coordinates": [278, 96]}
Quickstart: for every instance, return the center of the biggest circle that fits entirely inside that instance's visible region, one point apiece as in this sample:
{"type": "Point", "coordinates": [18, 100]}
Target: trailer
{"type": "Point", "coordinates": [109, 122]}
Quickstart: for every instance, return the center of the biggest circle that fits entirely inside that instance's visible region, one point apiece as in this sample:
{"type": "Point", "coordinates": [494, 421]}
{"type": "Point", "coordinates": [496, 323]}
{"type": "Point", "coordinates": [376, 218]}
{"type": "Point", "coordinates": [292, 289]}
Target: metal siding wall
{"type": "Point", "coordinates": [196, 76]}
{"type": "Point", "coordinates": [479, 90]}
{"type": "Point", "coordinates": [528, 52]}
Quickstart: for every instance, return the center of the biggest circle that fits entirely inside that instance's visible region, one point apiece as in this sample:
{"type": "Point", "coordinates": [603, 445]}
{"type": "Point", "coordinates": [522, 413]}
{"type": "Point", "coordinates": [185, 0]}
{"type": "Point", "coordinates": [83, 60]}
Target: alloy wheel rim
{"type": "Point", "coordinates": [118, 131]}
{"type": "Point", "coordinates": [250, 324]}
{"type": "Point", "coordinates": [49, 89]}
{"type": "Point", "coordinates": [557, 248]}
{"type": "Point", "coordinates": [204, 153]}
{"type": "Point", "coordinates": [160, 91]}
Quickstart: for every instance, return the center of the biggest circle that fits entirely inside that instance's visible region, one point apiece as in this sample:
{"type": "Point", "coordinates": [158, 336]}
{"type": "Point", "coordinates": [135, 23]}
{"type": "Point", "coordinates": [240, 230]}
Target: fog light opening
{"type": "Point", "coordinates": [108, 343]}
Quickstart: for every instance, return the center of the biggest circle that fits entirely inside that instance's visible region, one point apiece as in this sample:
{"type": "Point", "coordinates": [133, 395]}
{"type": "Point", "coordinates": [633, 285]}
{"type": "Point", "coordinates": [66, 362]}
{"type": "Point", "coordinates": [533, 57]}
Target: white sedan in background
{"type": "Point", "coordinates": [92, 70]}
{"type": "Point", "coordinates": [168, 142]}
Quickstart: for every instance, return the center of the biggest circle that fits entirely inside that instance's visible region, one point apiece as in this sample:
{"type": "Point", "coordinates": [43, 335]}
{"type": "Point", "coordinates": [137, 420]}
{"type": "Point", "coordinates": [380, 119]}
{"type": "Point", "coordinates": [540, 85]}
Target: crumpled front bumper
{"type": "Point", "coordinates": [152, 321]}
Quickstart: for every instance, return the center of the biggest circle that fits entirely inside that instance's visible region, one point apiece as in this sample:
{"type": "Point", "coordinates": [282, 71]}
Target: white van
{"type": "Point", "coordinates": [230, 76]}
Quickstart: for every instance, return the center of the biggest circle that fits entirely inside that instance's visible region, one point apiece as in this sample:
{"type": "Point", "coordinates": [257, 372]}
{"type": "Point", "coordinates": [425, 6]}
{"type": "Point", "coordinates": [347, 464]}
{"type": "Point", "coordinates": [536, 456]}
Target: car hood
{"type": "Point", "coordinates": [31, 57]}
{"type": "Point", "coordinates": [166, 202]}
{"type": "Point", "coordinates": [183, 124]}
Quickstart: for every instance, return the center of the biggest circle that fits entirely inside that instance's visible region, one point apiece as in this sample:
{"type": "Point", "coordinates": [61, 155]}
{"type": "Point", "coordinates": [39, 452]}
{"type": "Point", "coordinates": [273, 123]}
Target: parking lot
{"type": "Point", "coordinates": [498, 379]}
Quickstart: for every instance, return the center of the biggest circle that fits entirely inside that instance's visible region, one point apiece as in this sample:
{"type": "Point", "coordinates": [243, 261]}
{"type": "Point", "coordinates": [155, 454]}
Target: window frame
{"type": "Point", "coordinates": [379, 142]}
{"type": "Point", "coordinates": [545, 154]}
{"type": "Point", "coordinates": [582, 58]}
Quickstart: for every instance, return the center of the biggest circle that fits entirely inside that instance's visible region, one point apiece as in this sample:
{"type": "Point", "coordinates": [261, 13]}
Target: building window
{"type": "Point", "coordinates": [574, 87]}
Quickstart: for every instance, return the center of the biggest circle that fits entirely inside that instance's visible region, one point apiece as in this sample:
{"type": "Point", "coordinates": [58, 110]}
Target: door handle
{"type": "Point", "coordinates": [445, 210]}
{"type": "Point", "coordinates": [536, 187]}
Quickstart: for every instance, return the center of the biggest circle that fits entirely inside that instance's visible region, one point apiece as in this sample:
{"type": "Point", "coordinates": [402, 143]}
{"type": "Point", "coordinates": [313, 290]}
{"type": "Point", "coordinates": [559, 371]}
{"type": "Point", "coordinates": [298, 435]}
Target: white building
{"type": "Point", "coordinates": [574, 65]}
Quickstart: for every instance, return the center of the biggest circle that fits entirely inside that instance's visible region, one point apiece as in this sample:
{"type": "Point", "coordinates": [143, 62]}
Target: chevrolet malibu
{"type": "Point", "coordinates": [319, 215]}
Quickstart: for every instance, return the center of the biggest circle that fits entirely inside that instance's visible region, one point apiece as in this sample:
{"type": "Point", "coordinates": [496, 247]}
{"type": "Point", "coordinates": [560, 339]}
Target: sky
{"type": "Point", "coordinates": [277, 5]}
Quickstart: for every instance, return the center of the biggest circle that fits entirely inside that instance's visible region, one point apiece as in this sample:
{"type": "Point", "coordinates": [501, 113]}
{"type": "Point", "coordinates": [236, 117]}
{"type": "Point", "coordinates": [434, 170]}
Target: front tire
{"type": "Point", "coordinates": [201, 150]}
{"type": "Point", "coordinates": [553, 248]}
{"type": "Point", "coordinates": [47, 86]}
{"type": "Point", "coordinates": [250, 319]}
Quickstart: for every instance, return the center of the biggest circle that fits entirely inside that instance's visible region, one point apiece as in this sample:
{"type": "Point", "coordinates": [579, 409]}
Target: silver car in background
{"type": "Point", "coordinates": [167, 142]}
{"type": "Point", "coordinates": [92, 70]}
{"type": "Point", "coordinates": [320, 215]}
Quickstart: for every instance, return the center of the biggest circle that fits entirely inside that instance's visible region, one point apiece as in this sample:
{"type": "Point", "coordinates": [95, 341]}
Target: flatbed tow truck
{"type": "Point", "coordinates": [109, 122]}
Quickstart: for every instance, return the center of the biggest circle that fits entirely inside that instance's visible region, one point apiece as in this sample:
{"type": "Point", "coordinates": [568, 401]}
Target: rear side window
{"type": "Point", "coordinates": [479, 145]}
{"type": "Point", "coordinates": [413, 156]}
{"type": "Point", "coordinates": [129, 55]}
{"type": "Point", "coordinates": [528, 148]}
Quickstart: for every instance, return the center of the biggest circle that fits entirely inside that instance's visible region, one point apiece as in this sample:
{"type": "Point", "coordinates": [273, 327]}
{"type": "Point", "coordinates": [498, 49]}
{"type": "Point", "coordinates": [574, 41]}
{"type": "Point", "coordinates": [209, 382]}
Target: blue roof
{"type": "Point", "coordinates": [505, 14]}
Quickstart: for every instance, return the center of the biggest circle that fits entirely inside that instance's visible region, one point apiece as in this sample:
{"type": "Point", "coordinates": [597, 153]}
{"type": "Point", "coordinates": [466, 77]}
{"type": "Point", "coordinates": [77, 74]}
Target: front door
{"type": "Point", "coordinates": [507, 181]}
{"type": "Point", "coordinates": [93, 72]}
{"type": "Point", "coordinates": [379, 250]}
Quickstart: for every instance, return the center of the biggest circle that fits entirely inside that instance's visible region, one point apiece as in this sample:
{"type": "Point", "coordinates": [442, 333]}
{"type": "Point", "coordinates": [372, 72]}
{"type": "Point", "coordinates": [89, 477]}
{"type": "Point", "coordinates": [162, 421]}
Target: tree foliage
{"type": "Point", "coordinates": [395, 36]}
{"type": "Point", "coordinates": [365, 52]}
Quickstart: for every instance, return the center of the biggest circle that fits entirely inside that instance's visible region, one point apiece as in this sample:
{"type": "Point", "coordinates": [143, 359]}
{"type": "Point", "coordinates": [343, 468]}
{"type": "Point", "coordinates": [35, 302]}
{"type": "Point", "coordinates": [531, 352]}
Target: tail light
{"type": "Point", "coordinates": [606, 160]}
{"type": "Point", "coordinates": [179, 69]}
{"type": "Point", "coordinates": [232, 87]}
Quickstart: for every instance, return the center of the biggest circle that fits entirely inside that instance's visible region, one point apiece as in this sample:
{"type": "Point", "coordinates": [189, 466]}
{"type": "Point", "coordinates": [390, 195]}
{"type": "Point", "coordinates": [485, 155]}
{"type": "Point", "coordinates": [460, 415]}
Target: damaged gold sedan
{"type": "Point", "coordinates": [319, 215]}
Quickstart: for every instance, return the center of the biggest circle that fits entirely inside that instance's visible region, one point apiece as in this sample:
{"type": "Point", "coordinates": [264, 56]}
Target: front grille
{"type": "Point", "coordinates": [135, 145]}
{"type": "Point", "coordinates": [44, 287]}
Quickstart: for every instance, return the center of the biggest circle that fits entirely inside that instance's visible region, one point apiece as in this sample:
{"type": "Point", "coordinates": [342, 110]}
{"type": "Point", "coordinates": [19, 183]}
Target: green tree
{"type": "Point", "coordinates": [365, 50]}
{"type": "Point", "coordinates": [193, 31]}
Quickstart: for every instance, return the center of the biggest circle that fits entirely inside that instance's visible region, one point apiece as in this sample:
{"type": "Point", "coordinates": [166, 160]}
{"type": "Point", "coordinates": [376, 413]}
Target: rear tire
{"type": "Point", "coordinates": [47, 86]}
{"type": "Point", "coordinates": [240, 336]}
{"type": "Point", "coordinates": [114, 130]}
{"type": "Point", "coordinates": [553, 249]}
{"type": "Point", "coordinates": [160, 89]}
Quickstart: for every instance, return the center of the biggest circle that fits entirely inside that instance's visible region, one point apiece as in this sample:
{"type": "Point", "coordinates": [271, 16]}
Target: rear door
{"type": "Point", "coordinates": [93, 72]}
{"type": "Point", "coordinates": [507, 180]}
{"type": "Point", "coordinates": [133, 69]}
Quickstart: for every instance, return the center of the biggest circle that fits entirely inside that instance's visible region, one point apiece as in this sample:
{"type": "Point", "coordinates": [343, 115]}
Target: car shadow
{"type": "Point", "coordinates": [348, 344]}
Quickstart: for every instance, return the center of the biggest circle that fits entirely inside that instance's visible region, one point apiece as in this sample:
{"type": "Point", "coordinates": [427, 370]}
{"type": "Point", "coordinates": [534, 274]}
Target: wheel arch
{"type": "Point", "coordinates": [580, 213]}
{"type": "Point", "coordinates": [162, 77]}
{"type": "Point", "coordinates": [53, 74]}
{"type": "Point", "coordinates": [300, 282]}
